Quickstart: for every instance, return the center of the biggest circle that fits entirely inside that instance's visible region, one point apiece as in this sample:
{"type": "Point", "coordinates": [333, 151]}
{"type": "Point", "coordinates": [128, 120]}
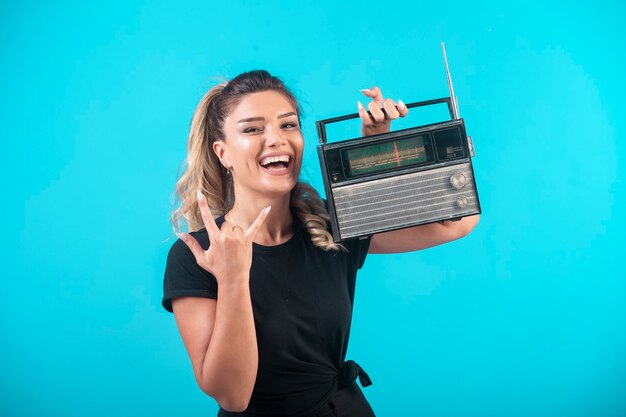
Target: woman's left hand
{"type": "Point", "coordinates": [379, 121]}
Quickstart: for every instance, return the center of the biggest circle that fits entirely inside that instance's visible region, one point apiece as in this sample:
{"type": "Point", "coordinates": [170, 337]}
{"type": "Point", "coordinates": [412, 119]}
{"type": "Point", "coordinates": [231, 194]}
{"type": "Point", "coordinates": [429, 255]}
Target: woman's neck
{"type": "Point", "coordinates": [278, 226]}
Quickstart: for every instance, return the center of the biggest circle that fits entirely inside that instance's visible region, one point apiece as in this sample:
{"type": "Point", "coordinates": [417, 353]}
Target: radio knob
{"type": "Point", "coordinates": [462, 202]}
{"type": "Point", "coordinates": [458, 180]}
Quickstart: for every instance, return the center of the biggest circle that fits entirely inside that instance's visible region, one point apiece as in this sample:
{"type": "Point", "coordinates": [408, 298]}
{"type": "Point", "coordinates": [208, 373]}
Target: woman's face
{"type": "Point", "coordinates": [263, 145]}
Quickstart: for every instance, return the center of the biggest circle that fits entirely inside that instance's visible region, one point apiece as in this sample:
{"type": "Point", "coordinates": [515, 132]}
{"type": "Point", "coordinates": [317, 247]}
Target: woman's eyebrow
{"type": "Point", "coordinates": [260, 119]}
{"type": "Point", "coordinates": [252, 119]}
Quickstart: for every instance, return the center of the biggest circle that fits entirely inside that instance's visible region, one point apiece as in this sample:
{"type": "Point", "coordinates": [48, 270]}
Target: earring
{"type": "Point", "coordinates": [227, 171]}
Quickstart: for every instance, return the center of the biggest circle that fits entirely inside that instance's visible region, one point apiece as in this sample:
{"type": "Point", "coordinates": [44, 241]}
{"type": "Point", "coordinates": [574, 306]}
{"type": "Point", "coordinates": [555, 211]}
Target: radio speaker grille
{"type": "Point", "coordinates": [404, 200]}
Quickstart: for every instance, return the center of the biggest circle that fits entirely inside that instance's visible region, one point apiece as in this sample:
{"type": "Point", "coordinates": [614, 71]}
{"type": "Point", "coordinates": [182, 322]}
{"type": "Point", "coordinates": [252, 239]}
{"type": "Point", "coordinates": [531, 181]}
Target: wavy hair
{"type": "Point", "coordinates": [203, 171]}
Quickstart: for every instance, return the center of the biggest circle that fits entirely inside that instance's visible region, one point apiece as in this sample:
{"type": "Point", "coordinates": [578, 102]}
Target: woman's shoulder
{"type": "Point", "coordinates": [179, 247]}
{"type": "Point", "coordinates": [180, 250]}
{"type": "Point", "coordinates": [183, 276]}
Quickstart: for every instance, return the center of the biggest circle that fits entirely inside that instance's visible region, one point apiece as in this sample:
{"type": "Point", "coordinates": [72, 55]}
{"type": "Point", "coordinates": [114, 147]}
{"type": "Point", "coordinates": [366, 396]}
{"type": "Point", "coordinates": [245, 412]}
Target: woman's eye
{"type": "Point", "coordinates": [251, 130]}
{"type": "Point", "coordinates": [289, 125]}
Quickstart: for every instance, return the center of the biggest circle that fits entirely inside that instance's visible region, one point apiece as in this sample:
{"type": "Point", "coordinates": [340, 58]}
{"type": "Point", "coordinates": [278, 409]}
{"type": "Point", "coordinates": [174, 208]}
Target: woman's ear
{"type": "Point", "coordinates": [219, 147]}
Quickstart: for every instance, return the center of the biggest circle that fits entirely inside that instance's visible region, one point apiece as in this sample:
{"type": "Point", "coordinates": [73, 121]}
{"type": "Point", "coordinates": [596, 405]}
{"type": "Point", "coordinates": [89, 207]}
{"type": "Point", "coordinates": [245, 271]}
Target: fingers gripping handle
{"type": "Point", "coordinates": [321, 124]}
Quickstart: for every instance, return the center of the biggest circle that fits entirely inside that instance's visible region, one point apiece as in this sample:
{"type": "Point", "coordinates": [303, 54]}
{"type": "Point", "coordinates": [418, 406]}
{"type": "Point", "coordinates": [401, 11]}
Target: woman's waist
{"type": "Point", "coordinates": [299, 392]}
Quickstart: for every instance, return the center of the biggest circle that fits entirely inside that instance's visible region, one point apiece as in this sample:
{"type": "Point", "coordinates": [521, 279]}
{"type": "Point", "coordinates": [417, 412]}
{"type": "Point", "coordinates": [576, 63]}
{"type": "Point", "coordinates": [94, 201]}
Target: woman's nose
{"type": "Point", "coordinates": [274, 138]}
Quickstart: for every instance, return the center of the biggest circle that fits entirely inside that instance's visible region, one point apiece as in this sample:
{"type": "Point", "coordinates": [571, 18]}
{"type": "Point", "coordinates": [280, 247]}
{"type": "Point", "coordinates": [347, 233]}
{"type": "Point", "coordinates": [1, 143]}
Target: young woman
{"type": "Point", "coordinates": [261, 293]}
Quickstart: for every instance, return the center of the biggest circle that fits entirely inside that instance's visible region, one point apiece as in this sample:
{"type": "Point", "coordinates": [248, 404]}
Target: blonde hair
{"type": "Point", "coordinates": [203, 171]}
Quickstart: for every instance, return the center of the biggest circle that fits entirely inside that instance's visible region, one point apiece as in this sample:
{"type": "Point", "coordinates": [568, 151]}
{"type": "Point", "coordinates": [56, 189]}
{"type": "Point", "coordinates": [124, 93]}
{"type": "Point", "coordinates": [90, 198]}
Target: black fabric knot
{"type": "Point", "coordinates": [349, 373]}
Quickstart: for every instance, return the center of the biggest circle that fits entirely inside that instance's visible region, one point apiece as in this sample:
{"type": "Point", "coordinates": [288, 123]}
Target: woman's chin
{"type": "Point", "coordinates": [279, 185]}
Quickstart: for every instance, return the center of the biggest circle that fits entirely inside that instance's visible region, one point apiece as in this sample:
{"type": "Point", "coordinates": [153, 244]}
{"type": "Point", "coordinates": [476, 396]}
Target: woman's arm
{"type": "Point", "coordinates": [219, 335]}
{"type": "Point", "coordinates": [422, 237]}
{"type": "Point", "coordinates": [220, 339]}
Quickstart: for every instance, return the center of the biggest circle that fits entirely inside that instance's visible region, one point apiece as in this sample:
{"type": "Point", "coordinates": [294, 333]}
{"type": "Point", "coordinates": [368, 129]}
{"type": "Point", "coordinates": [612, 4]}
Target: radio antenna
{"type": "Point", "coordinates": [455, 104]}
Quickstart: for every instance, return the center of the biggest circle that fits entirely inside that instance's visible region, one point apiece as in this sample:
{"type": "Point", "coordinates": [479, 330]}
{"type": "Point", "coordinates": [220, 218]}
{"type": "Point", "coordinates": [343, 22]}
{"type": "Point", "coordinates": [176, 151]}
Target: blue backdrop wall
{"type": "Point", "coordinates": [525, 316]}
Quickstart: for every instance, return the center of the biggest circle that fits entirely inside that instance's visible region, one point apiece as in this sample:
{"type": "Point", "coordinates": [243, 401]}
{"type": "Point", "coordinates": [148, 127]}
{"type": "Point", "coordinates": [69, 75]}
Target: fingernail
{"type": "Point", "coordinates": [358, 103]}
{"type": "Point", "coordinates": [200, 196]}
{"type": "Point", "coordinates": [401, 103]}
{"type": "Point", "coordinates": [365, 90]}
{"type": "Point", "coordinates": [267, 209]}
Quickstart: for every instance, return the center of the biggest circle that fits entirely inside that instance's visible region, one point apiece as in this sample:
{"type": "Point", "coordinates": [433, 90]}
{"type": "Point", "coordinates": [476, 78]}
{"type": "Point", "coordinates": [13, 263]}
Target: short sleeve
{"type": "Point", "coordinates": [357, 250]}
{"type": "Point", "coordinates": [184, 277]}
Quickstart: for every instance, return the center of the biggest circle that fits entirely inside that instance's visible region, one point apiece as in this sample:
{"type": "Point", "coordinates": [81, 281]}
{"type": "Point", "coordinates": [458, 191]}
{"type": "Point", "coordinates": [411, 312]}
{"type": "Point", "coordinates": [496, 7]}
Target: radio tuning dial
{"type": "Point", "coordinates": [461, 202]}
{"type": "Point", "coordinates": [458, 180]}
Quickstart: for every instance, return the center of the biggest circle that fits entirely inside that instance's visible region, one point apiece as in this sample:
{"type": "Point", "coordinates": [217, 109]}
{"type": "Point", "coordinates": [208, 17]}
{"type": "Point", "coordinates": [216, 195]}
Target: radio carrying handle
{"type": "Point", "coordinates": [321, 124]}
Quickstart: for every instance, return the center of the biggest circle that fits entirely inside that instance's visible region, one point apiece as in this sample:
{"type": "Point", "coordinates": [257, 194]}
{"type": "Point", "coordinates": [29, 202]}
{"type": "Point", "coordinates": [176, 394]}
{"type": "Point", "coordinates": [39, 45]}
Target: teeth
{"type": "Point", "coordinates": [271, 159]}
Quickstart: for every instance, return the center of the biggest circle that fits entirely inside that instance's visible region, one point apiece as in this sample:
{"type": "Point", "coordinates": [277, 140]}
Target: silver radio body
{"type": "Point", "coordinates": [437, 184]}
{"type": "Point", "coordinates": [399, 179]}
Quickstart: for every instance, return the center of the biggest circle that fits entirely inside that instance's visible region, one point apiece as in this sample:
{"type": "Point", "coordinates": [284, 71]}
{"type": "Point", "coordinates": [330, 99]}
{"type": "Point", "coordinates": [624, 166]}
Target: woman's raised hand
{"type": "Point", "coordinates": [229, 256]}
{"type": "Point", "coordinates": [379, 121]}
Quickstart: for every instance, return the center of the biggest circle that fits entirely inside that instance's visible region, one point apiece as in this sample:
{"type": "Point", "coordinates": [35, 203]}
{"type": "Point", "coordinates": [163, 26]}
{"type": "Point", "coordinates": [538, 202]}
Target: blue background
{"type": "Point", "coordinates": [524, 317]}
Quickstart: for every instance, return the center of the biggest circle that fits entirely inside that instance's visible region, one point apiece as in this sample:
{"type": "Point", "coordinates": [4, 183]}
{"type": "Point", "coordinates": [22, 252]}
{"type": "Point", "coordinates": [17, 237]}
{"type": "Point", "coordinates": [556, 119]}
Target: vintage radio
{"type": "Point", "coordinates": [399, 179]}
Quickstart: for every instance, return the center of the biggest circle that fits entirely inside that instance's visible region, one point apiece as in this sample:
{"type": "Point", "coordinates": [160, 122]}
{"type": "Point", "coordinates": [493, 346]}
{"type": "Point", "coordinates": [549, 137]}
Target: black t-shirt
{"type": "Point", "coordinates": [302, 301]}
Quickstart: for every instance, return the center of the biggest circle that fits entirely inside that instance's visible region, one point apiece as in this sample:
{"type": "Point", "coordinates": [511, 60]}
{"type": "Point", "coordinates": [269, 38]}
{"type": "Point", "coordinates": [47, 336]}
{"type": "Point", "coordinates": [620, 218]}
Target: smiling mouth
{"type": "Point", "coordinates": [275, 162]}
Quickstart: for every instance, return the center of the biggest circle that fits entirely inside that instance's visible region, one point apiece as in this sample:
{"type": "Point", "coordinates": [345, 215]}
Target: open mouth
{"type": "Point", "coordinates": [276, 163]}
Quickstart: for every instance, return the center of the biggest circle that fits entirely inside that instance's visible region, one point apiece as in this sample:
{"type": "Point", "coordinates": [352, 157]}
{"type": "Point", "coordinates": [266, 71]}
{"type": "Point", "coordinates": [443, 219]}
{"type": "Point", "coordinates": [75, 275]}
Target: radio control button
{"type": "Point", "coordinates": [458, 180]}
{"type": "Point", "coordinates": [462, 202]}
